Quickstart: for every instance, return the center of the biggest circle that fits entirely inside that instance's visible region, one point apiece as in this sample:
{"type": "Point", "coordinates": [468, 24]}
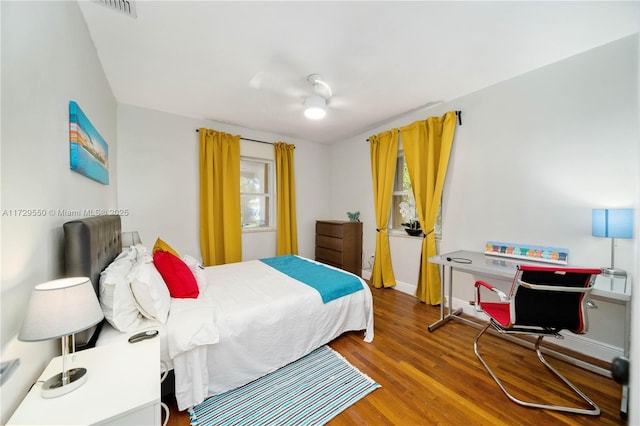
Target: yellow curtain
{"type": "Point", "coordinates": [287, 229]}
{"type": "Point", "coordinates": [427, 146]}
{"type": "Point", "coordinates": [384, 152]}
{"type": "Point", "coordinates": [220, 225]}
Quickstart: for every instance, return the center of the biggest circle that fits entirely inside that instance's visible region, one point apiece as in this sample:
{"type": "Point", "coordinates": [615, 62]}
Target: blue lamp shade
{"type": "Point", "coordinates": [612, 223]}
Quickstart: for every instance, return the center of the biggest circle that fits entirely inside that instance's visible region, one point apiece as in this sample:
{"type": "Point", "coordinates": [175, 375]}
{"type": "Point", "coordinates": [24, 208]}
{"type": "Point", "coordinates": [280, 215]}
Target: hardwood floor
{"type": "Point", "coordinates": [435, 378]}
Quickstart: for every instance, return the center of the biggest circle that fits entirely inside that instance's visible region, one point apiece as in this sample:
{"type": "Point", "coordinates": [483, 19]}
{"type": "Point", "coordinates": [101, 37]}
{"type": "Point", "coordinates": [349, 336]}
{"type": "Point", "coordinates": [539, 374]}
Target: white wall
{"type": "Point", "coordinates": [533, 156]}
{"type": "Point", "coordinates": [48, 59]}
{"type": "Point", "coordinates": [158, 180]}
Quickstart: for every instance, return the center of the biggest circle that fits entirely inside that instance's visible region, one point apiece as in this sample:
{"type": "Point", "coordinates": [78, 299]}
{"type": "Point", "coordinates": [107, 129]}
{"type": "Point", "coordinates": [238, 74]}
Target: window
{"type": "Point", "coordinates": [256, 197]}
{"type": "Point", "coordinates": [402, 192]}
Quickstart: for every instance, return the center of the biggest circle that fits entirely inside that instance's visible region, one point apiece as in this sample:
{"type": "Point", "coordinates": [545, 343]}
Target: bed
{"type": "Point", "coordinates": [248, 320]}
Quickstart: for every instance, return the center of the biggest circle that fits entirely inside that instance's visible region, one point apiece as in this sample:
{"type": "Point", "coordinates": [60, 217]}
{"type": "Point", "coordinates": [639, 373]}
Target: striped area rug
{"type": "Point", "coordinates": [309, 391]}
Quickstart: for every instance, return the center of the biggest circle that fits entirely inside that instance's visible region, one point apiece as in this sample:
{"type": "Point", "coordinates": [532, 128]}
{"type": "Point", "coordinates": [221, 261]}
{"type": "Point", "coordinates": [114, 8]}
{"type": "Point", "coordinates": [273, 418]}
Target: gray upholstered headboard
{"type": "Point", "coordinates": [89, 246]}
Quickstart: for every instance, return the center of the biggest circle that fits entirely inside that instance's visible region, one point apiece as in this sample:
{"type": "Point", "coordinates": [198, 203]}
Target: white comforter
{"type": "Point", "coordinates": [250, 321]}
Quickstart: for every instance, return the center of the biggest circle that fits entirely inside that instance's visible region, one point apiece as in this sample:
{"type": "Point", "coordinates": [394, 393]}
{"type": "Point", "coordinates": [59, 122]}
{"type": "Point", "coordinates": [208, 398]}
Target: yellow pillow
{"type": "Point", "coordinates": [162, 246]}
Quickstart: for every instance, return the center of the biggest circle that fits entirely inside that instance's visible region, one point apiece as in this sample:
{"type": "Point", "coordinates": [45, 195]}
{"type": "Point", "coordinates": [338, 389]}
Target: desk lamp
{"type": "Point", "coordinates": [60, 308]}
{"type": "Point", "coordinates": [130, 239]}
{"type": "Point", "coordinates": [612, 223]}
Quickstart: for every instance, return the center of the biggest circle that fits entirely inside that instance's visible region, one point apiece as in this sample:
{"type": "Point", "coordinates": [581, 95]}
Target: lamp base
{"type": "Point", "coordinates": [54, 387]}
{"type": "Point", "coordinates": [614, 271]}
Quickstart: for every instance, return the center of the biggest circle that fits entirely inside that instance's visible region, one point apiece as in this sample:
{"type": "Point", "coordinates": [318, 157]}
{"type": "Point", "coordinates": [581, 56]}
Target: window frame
{"type": "Point", "coordinates": [269, 195]}
{"type": "Point", "coordinates": [393, 226]}
{"type": "Point", "coordinates": [397, 229]}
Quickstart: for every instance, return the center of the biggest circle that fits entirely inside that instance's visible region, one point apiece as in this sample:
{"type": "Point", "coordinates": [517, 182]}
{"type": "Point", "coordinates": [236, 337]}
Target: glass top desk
{"type": "Point", "coordinates": [609, 288]}
{"type": "Point", "coordinates": [613, 289]}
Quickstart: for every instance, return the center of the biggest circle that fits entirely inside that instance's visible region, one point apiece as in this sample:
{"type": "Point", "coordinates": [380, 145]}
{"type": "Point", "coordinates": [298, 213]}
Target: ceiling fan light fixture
{"type": "Point", "coordinates": [315, 107]}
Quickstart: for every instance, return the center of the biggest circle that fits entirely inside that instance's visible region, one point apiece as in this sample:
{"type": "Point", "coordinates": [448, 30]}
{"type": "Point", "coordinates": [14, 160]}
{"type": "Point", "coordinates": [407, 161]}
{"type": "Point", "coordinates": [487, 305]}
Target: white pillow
{"type": "Point", "coordinates": [116, 299]}
{"type": "Point", "coordinates": [140, 250]}
{"type": "Point", "coordinates": [198, 271]}
{"type": "Point", "coordinates": [128, 253]}
{"type": "Point", "coordinates": [150, 292]}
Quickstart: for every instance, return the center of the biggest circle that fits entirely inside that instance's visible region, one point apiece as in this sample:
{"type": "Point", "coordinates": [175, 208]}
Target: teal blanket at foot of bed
{"type": "Point", "coordinates": [329, 282]}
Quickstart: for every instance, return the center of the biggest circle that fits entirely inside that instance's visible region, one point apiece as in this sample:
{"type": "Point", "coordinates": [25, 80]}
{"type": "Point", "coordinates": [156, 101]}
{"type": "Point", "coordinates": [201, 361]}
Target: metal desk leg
{"type": "Point", "coordinates": [450, 314]}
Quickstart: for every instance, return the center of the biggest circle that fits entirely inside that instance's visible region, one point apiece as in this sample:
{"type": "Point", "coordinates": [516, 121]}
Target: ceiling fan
{"type": "Point", "coordinates": [315, 105]}
{"type": "Point", "coordinates": [315, 98]}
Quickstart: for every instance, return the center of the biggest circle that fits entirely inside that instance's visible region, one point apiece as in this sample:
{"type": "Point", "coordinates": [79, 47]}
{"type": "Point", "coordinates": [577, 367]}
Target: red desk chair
{"type": "Point", "coordinates": [542, 302]}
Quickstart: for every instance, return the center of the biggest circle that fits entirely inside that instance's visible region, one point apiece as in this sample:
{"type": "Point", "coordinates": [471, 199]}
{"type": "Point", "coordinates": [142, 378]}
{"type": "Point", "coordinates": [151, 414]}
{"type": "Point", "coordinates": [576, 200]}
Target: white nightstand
{"type": "Point", "coordinates": [122, 388]}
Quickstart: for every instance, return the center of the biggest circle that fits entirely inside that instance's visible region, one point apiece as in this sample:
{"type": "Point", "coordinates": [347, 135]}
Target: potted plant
{"type": "Point", "coordinates": [408, 213]}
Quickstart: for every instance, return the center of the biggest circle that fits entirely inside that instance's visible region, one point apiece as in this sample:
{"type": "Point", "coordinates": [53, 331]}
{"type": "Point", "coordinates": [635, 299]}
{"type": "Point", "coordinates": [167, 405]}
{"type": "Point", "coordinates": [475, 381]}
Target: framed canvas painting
{"type": "Point", "coordinates": [89, 152]}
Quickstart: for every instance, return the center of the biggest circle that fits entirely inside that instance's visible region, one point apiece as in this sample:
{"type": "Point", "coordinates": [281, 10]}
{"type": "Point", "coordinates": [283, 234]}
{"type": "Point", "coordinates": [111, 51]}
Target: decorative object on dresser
{"type": "Point", "coordinates": [60, 308]}
{"type": "Point", "coordinates": [339, 243]}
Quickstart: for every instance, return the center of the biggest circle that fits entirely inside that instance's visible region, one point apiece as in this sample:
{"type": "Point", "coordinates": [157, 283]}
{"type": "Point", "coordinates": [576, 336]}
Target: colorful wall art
{"type": "Point", "coordinates": [528, 252]}
{"type": "Point", "coordinates": [89, 153]}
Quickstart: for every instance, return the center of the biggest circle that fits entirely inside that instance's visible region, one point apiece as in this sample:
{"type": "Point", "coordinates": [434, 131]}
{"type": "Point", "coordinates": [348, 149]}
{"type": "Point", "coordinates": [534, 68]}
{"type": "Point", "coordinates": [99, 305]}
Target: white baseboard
{"type": "Point", "coordinates": [574, 342]}
{"type": "Point", "coordinates": [410, 289]}
{"type": "Point", "coordinates": [406, 288]}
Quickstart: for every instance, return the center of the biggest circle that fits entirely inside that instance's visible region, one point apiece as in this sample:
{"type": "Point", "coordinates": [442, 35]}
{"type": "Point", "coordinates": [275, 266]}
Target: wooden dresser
{"type": "Point", "coordinates": [339, 243]}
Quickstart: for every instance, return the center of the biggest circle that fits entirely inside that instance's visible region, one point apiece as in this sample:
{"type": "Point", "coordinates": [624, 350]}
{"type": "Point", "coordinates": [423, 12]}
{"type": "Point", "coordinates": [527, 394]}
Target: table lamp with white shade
{"type": "Point", "coordinates": [60, 308]}
{"type": "Point", "coordinates": [130, 239]}
{"type": "Point", "coordinates": [612, 223]}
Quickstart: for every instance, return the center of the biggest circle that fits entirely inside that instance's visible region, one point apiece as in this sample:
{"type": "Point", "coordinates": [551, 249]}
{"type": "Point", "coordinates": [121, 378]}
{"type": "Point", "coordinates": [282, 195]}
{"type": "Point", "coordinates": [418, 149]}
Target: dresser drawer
{"type": "Point", "coordinates": [326, 262]}
{"type": "Point", "coordinates": [330, 256]}
{"type": "Point", "coordinates": [339, 244]}
{"type": "Point", "coordinates": [329, 229]}
{"type": "Point", "coordinates": [332, 243]}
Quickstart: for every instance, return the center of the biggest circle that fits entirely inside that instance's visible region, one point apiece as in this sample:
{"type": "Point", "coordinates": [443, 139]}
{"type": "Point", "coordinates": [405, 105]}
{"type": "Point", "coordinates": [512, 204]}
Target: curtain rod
{"type": "Point", "coordinates": [458, 114]}
{"type": "Point", "coordinates": [247, 139]}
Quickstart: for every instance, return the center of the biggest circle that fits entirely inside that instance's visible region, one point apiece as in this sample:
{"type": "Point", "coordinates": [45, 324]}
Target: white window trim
{"type": "Point", "coordinates": [271, 227]}
{"type": "Point", "coordinates": [396, 232]}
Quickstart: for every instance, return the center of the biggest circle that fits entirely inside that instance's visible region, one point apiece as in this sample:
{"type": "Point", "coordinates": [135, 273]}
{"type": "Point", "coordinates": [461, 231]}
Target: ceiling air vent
{"type": "Point", "coordinates": [128, 7]}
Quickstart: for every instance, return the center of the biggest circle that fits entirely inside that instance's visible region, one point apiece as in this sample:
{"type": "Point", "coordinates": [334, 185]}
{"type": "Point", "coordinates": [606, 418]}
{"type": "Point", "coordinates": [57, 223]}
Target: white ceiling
{"type": "Point", "coordinates": [203, 59]}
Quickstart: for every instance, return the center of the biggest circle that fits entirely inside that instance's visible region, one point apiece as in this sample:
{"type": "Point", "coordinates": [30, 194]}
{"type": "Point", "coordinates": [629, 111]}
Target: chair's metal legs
{"type": "Point", "coordinates": [594, 411]}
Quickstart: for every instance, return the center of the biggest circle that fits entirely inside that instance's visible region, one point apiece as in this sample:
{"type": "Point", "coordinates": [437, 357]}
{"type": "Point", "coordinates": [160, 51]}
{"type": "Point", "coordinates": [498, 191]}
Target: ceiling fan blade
{"type": "Point", "coordinates": [256, 80]}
